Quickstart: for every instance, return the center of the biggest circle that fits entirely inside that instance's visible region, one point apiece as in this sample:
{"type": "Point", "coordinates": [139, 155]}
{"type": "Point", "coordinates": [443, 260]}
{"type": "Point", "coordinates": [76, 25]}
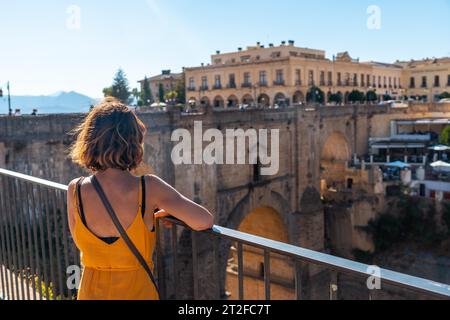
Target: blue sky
{"type": "Point", "coordinates": [39, 54]}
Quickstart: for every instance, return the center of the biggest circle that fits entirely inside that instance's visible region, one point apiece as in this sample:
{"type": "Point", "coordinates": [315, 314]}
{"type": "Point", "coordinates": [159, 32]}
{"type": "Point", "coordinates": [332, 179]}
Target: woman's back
{"type": "Point", "coordinates": [111, 270]}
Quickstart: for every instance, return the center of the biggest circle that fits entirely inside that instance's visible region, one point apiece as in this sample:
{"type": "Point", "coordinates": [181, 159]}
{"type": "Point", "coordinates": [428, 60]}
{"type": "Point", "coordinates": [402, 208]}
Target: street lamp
{"type": "Point", "coordinates": [9, 98]}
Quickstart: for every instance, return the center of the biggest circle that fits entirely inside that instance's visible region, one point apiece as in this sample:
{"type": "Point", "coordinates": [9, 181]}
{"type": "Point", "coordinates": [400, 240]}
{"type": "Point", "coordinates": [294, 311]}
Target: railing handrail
{"type": "Point", "coordinates": [401, 280]}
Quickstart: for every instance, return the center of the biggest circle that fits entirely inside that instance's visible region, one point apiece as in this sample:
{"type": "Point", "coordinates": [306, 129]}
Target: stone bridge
{"type": "Point", "coordinates": [285, 207]}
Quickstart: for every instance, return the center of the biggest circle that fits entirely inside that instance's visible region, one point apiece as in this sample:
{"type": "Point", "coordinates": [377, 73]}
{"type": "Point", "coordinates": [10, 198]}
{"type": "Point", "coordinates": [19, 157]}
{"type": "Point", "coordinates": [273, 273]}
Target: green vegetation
{"type": "Point", "coordinates": [161, 93]}
{"type": "Point", "coordinates": [445, 95]}
{"type": "Point", "coordinates": [146, 94]}
{"type": "Point", "coordinates": [315, 95]}
{"type": "Point", "coordinates": [371, 96]}
{"type": "Point", "coordinates": [335, 97]}
{"type": "Point", "coordinates": [444, 138]}
{"type": "Point", "coordinates": [180, 89]}
{"type": "Point", "coordinates": [120, 88]}
{"type": "Point", "coordinates": [356, 96]}
{"type": "Point", "coordinates": [408, 219]}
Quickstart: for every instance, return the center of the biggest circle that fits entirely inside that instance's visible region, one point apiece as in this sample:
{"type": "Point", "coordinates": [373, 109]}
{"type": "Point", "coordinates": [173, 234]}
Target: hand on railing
{"type": "Point", "coordinates": [163, 214]}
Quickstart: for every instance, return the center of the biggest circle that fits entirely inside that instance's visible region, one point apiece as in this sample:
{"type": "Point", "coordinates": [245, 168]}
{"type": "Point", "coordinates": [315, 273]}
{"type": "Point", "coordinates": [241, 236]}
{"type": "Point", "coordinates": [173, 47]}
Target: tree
{"type": "Point", "coordinates": [137, 95]}
{"type": "Point", "coordinates": [371, 96]}
{"type": "Point", "coordinates": [445, 95]}
{"type": "Point", "coordinates": [387, 97]}
{"type": "Point", "coordinates": [171, 96]}
{"type": "Point", "coordinates": [181, 90]}
{"type": "Point", "coordinates": [356, 96]}
{"type": "Point", "coordinates": [315, 95]}
{"type": "Point", "coordinates": [445, 136]}
{"type": "Point", "coordinates": [335, 97]}
{"type": "Point", "coordinates": [161, 92]}
{"type": "Point", "coordinates": [146, 94]}
{"type": "Point", "coordinates": [119, 88]}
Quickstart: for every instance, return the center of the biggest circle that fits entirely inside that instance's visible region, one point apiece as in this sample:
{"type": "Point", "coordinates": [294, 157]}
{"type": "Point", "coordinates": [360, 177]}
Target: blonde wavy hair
{"type": "Point", "coordinates": [111, 137]}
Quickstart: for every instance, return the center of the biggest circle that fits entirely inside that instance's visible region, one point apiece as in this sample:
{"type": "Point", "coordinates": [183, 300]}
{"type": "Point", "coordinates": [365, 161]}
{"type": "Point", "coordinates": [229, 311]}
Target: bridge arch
{"type": "Point", "coordinates": [335, 156]}
{"type": "Point", "coordinates": [268, 221]}
{"type": "Point", "coordinates": [219, 102]}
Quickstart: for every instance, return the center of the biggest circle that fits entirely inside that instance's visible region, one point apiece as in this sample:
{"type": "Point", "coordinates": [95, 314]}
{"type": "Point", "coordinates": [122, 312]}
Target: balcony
{"type": "Point", "coordinates": [35, 243]}
{"type": "Point", "coordinates": [263, 84]}
{"type": "Point", "coordinates": [279, 83]}
{"type": "Point", "coordinates": [231, 85]}
{"type": "Point", "coordinates": [191, 89]}
{"type": "Point", "coordinates": [204, 88]}
{"type": "Point", "coordinates": [217, 87]}
{"type": "Point", "coordinates": [246, 85]}
{"type": "Point", "coordinates": [298, 83]}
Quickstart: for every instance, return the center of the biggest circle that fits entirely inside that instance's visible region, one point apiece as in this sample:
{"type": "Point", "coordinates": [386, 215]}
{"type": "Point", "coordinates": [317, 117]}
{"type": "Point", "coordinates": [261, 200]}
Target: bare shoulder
{"type": "Point", "coordinates": [155, 181]}
{"type": "Point", "coordinates": [72, 185]}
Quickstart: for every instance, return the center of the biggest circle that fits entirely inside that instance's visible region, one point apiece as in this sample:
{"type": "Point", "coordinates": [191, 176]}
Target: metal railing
{"type": "Point", "coordinates": [36, 248]}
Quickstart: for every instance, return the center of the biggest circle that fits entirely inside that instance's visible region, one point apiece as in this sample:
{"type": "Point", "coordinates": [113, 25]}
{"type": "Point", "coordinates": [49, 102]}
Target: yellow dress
{"type": "Point", "coordinates": [111, 271]}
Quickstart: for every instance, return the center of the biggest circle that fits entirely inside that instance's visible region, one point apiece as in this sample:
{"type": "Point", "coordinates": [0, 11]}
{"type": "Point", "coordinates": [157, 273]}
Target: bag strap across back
{"type": "Point", "coordinates": [122, 231]}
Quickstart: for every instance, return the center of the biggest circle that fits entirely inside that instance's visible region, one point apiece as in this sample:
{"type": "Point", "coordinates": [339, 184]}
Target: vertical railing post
{"type": "Point", "coordinates": [298, 280]}
{"type": "Point", "coordinates": [267, 273]}
{"type": "Point", "coordinates": [160, 262]}
{"type": "Point", "coordinates": [3, 253]}
{"type": "Point", "coordinates": [174, 241]}
{"type": "Point", "coordinates": [333, 285]}
{"type": "Point", "coordinates": [195, 273]}
{"type": "Point", "coordinates": [240, 254]}
{"type": "Point", "coordinates": [31, 243]}
{"type": "Point", "coordinates": [22, 215]}
{"type": "Point", "coordinates": [8, 239]}
{"type": "Point", "coordinates": [217, 268]}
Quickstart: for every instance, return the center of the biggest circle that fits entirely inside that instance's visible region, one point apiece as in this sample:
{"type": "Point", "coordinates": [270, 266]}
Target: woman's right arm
{"type": "Point", "coordinates": [174, 203]}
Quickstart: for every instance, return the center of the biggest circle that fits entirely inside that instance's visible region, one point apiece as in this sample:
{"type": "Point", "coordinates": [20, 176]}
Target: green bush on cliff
{"type": "Point", "coordinates": [408, 220]}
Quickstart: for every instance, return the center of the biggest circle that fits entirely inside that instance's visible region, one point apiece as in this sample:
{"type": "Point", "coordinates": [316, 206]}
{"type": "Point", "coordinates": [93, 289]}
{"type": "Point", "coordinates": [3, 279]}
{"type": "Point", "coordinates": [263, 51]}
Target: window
{"type": "Point", "coordinates": [347, 79]}
{"type": "Point", "coordinates": [245, 59]}
{"type": "Point", "coordinates": [191, 83]}
{"type": "Point", "coordinates": [437, 81]}
{"type": "Point", "coordinates": [330, 78]}
{"type": "Point", "coordinates": [363, 80]}
{"type": "Point", "coordinates": [448, 80]}
{"type": "Point", "coordinates": [263, 78]}
{"type": "Point", "coordinates": [379, 81]}
{"type": "Point", "coordinates": [412, 83]}
{"type": "Point", "coordinates": [424, 82]}
{"type": "Point", "coordinates": [205, 83]}
{"type": "Point", "coordinates": [276, 54]}
{"type": "Point", "coordinates": [298, 77]}
{"type": "Point", "coordinates": [247, 78]}
{"type": "Point", "coordinates": [339, 79]}
{"type": "Point", "coordinates": [322, 78]}
{"type": "Point", "coordinates": [279, 77]}
{"type": "Point", "coordinates": [355, 80]}
{"type": "Point", "coordinates": [217, 82]}
{"type": "Point", "coordinates": [232, 80]}
{"type": "Point", "coordinates": [390, 82]}
{"type": "Point", "coordinates": [385, 82]}
{"type": "Point", "coordinates": [311, 77]}
{"type": "Point", "coordinates": [395, 83]}
{"type": "Point", "coordinates": [374, 81]}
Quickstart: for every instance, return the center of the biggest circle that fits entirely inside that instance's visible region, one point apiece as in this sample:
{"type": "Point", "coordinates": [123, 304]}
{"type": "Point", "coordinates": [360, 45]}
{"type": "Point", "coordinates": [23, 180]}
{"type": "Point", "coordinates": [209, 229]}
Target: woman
{"type": "Point", "coordinates": [110, 143]}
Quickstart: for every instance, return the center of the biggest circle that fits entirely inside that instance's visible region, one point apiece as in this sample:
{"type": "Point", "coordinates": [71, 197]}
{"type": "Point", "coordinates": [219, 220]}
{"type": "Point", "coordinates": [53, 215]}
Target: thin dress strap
{"type": "Point", "coordinates": [143, 204]}
{"type": "Point", "coordinates": [80, 201]}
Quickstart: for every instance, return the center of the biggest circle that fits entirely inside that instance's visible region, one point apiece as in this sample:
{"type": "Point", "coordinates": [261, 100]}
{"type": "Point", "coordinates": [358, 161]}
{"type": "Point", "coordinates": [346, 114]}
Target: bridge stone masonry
{"type": "Point", "coordinates": [285, 207]}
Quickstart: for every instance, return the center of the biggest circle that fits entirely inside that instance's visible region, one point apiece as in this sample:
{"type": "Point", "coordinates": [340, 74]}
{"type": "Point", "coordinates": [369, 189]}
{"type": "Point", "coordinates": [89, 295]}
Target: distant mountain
{"type": "Point", "coordinates": [60, 102]}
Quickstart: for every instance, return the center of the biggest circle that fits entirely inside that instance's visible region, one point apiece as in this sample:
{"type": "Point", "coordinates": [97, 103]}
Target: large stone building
{"type": "Point", "coordinates": [283, 75]}
{"type": "Point", "coordinates": [427, 79]}
{"type": "Point", "coordinates": [166, 79]}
